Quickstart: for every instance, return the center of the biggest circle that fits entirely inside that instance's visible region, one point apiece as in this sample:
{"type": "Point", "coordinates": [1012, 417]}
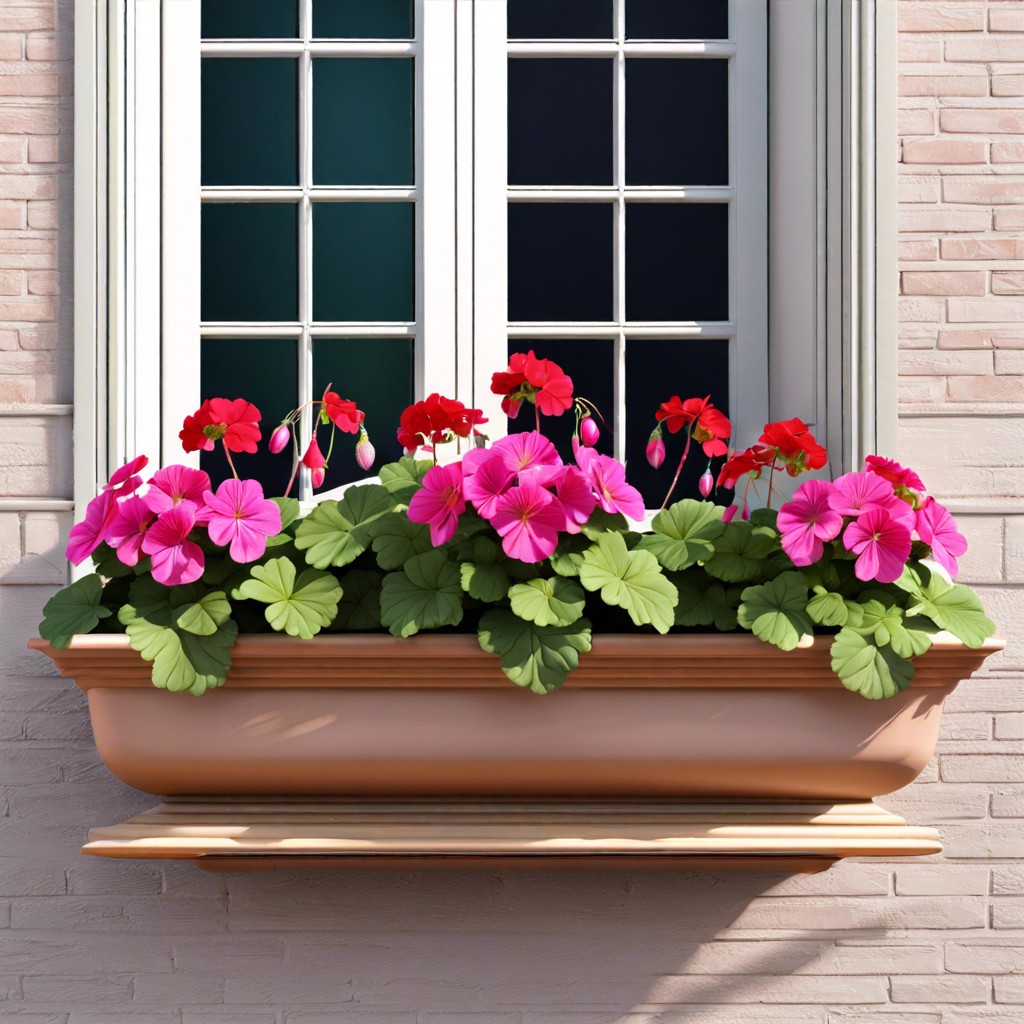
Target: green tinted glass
{"type": "Point", "coordinates": [362, 121]}
{"type": "Point", "coordinates": [362, 19]}
{"type": "Point", "coordinates": [250, 19]}
{"type": "Point", "coordinates": [376, 374]}
{"type": "Point", "coordinates": [250, 261]}
{"type": "Point", "coordinates": [264, 371]}
{"type": "Point", "coordinates": [250, 121]}
{"type": "Point", "coordinates": [363, 261]}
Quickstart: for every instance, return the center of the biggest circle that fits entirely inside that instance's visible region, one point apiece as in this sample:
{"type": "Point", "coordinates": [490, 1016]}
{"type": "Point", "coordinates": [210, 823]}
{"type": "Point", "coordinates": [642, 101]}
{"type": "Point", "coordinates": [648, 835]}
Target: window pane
{"type": "Point", "coordinates": [560, 261]}
{"type": "Point", "coordinates": [250, 261]}
{"type": "Point", "coordinates": [363, 261]}
{"type": "Point", "coordinates": [362, 121]}
{"type": "Point", "coordinates": [250, 19]}
{"type": "Point", "coordinates": [590, 364]}
{"type": "Point", "coordinates": [677, 261]}
{"type": "Point", "coordinates": [264, 371]}
{"type": "Point", "coordinates": [655, 371]}
{"type": "Point", "coordinates": [672, 19]}
{"type": "Point", "coordinates": [362, 19]}
{"type": "Point", "coordinates": [559, 19]}
{"type": "Point", "coordinates": [250, 121]}
{"type": "Point", "coordinates": [677, 122]}
{"type": "Point", "coordinates": [376, 374]}
{"type": "Point", "coordinates": [560, 122]}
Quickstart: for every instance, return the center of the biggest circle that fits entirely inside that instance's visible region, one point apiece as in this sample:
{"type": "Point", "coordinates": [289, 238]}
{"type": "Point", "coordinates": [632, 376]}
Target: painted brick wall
{"type": "Point", "coordinates": [940, 941]}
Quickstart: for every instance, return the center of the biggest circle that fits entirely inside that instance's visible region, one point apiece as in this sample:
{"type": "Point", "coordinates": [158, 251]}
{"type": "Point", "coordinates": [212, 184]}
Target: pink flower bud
{"type": "Point", "coordinates": [706, 482]}
{"type": "Point", "coordinates": [279, 439]}
{"type": "Point", "coordinates": [314, 458]}
{"type": "Point", "coordinates": [589, 432]}
{"type": "Point", "coordinates": [317, 477]}
{"type": "Point", "coordinates": [656, 450]}
{"type": "Point", "coordinates": [728, 514]}
{"type": "Point", "coordinates": [365, 453]}
{"type": "Point", "coordinates": [745, 514]}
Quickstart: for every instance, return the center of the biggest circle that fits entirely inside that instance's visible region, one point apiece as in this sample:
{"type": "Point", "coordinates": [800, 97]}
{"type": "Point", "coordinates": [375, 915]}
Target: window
{"type": "Point", "coordinates": [392, 195]}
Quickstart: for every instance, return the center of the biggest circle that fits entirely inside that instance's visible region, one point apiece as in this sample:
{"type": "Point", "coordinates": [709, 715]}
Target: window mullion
{"type": "Point", "coordinates": [619, 270]}
{"type": "Point", "coordinates": [305, 345]}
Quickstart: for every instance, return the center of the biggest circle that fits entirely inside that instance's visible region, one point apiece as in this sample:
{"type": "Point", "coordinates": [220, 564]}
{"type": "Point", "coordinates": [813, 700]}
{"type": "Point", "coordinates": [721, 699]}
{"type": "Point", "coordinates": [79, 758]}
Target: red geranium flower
{"type": "Point", "coordinates": [795, 445]}
{"type": "Point", "coordinates": [236, 423]}
{"type": "Point", "coordinates": [711, 425]}
{"type": "Point", "coordinates": [435, 420]}
{"type": "Point", "coordinates": [342, 413]}
{"type": "Point", "coordinates": [753, 460]}
{"type": "Point", "coordinates": [540, 381]}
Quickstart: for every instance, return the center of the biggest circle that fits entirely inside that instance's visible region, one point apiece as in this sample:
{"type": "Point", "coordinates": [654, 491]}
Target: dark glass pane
{"type": "Point", "coordinates": [362, 121]}
{"type": "Point", "coordinates": [677, 19]}
{"type": "Point", "coordinates": [250, 121]}
{"type": "Point", "coordinates": [264, 371]}
{"type": "Point", "coordinates": [363, 261]}
{"type": "Point", "coordinates": [560, 122]}
{"type": "Point", "coordinates": [590, 364]}
{"type": "Point", "coordinates": [677, 261]}
{"type": "Point", "coordinates": [250, 19]}
{"type": "Point", "coordinates": [250, 262]}
{"type": "Point", "coordinates": [376, 374]}
{"type": "Point", "coordinates": [362, 19]}
{"type": "Point", "coordinates": [560, 19]}
{"type": "Point", "coordinates": [677, 122]}
{"type": "Point", "coordinates": [655, 371]}
{"type": "Point", "coordinates": [560, 261]}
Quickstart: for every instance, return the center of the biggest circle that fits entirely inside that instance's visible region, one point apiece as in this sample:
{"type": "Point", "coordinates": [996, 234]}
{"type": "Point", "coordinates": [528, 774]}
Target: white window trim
{"type": "Point", "coordinates": [117, 287]}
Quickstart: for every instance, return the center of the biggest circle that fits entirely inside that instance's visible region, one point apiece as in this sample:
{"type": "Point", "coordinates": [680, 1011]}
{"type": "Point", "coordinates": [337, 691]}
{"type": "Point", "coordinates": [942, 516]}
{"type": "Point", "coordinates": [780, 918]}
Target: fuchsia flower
{"type": "Point", "coordinates": [134, 517]}
{"type": "Point", "coordinates": [125, 480]}
{"type": "Point", "coordinates": [608, 479]}
{"type": "Point", "coordinates": [439, 502]}
{"type": "Point", "coordinates": [86, 536]}
{"type": "Point", "coordinates": [239, 515]}
{"type": "Point", "coordinates": [176, 559]}
{"type": "Point", "coordinates": [935, 526]}
{"type": "Point", "coordinates": [173, 485]}
{"type": "Point", "coordinates": [882, 544]}
{"type": "Point", "coordinates": [808, 521]}
{"type": "Point", "coordinates": [528, 519]}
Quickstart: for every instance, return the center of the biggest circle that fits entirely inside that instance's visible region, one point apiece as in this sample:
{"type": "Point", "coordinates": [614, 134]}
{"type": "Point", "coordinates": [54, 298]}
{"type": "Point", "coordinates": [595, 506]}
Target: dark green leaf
{"type": "Point", "coordinates": [359, 607]}
{"type": "Point", "coordinates": [740, 552]}
{"type": "Point", "coordinates": [405, 477]}
{"type": "Point", "coordinates": [337, 532]}
{"type": "Point", "coordinates": [426, 595]}
{"type": "Point", "coordinates": [75, 609]}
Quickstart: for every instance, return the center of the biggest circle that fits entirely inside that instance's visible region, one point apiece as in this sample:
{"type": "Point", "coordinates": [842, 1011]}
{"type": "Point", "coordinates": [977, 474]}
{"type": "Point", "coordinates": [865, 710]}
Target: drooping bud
{"type": "Point", "coordinates": [279, 439]}
{"type": "Point", "coordinates": [727, 515]}
{"type": "Point", "coordinates": [655, 449]}
{"type": "Point", "coordinates": [512, 406]}
{"type": "Point", "coordinates": [365, 453]}
{"type": "Point", "coordinates": [706, 482]}
{"type": "Point", "coordinates": [317, 477]}
{"type": "Point", "coordinates": [589, 432]}
{"type": "Point", "coordinates": [314, 458]}
{"type": "Point", "coordinates": [745, 514]}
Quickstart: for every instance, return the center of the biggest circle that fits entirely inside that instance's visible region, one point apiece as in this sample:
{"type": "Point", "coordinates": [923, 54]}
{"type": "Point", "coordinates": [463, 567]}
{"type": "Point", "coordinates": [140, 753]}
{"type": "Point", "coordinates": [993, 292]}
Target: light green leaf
{"type": "Point", "coordinates": [289, 511]}
{"type": "Point", "coordinates": [396, 539]}
{"type": "Point", "coordinates": [864, 667]}
{"type": "Point", "coordinates": [404, 477]}
{"type": "Point", "coordinates": [75, 609]}
{"type": "Point", "coordinates": [484, 576]}
{"type": "Point", "coordinates": [827, 608]}
{"type": "Point", "coordinates": [205, 615]}
{"type": "Point", "coordinates": [956, 608]}
{"type": "Point", "coordinates": [359, 607]}
{"type": "Point", "coordinates": [538, 658]}
{"type": "Point", "coordinates": [336, 532]}
{"type": "Point", "coordinates": [740, 552]}
{"type": "Point", "coordinates": [776, 612]}
{"type": "Point", "coordinates": [426, 595]}
{"type": "Point", "coordinates": [704, 602]}
{"type": "Point", "coordinates": [298, 607]}
{"type": "Point", "coordinates": [551, 602]}
{"type": "Point", "coordinates": [683, 533]}
{"type": "Point", "coordinates": [631, 580]}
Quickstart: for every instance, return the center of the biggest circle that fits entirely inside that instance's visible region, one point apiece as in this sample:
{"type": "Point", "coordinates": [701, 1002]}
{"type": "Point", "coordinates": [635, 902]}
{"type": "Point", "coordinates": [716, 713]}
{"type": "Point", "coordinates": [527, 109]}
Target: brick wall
{"type": "Point", "coordinates": [939, 941]}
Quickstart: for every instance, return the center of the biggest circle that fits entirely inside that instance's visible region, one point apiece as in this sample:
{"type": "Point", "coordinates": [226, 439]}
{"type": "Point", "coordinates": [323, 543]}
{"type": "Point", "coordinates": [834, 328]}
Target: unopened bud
{"type": "Point", "coordinates": [314, 458]}
{"type": "Point", "coordinates": [279, 439]}
{"type": "Point", "coordinates": [512, 407]}
{"type": "Point", "coordinates": [589, 432]}
{"type": "Point", "coordinates": [365, 453]}
{"type": "Point", "coordinates": [745, 514]}
{"type": "Point", "coordinates": [728, 514]}
{"type": "Point", "coordinates": [706, 482]}
{"type": "Point", "coordinates": [655, 449]}
{"type": "Point", "coordinates": [316, 477]}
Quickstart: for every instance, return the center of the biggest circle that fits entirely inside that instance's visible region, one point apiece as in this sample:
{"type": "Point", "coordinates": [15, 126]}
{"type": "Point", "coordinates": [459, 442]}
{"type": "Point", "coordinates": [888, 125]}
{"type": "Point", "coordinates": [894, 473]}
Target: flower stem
{"type": "Point", "coordinates": [295, 464]}
{"type": "Point", "coordinates": [679, 469]}
{"type": "Point", "coordinates": [227, 455]}
{"type": "Point", "coordinates": [536, 414]}
{"type": "Point", "coordinates": [771, 481]}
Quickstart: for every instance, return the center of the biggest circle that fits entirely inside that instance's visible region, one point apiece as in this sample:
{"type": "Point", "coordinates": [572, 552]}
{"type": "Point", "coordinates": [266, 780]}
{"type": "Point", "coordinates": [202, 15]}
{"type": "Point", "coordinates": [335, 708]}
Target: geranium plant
{"type": "Point", "coordinates": [532, 549]}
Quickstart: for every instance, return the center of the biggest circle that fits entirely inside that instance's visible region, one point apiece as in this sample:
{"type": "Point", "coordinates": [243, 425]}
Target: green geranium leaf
{"type": "Point", "coordinates": [551, 602]}
{"type": "Point", "coordinates": [538, 658]}
{"type": "Point", "coordinates": [359, 607]}
{"type": "Point", "coordinates": [289, 511]}
{"type": "Point", "coordinates": [704, 602]}
{"type": "Point", "coordinates": [601, 522]}
{"type": "Point", "coordinates": [203, 616]}
{"type": "Point", "coordinates": [337, 532]}
{"type": "Point", "coordinates": [765, 517]}
{"type": "Point", "coordinates": [396, 539]}
{"type": "Point", "coordinates": [740, 552]}
{"type": "Point", "coordinates": [956, 608]}
{"type": "Point", "coordinates": [568, 556]}
{"type": "Point", "coordinates": [683, 534]}
{"type": "Point", "coordinates": [776, 612]}
{"type": "Point", "coordinates": [426, 595]}
{"type": "Point", "coordinates": [75, 609]}
{"type": "Point", "coordinates": [405, 477]}
{"type": "Point", "coordinates": [827, 608]}
{"type": "Point", "coordinates": [914, 578]}
{"type": "Point", "coordinates": [864, 667]}
{"type": "Point", "coordinates": [484, 575]}
{"type": "Point", "coordinates": [108, 565]}
{"type": "Point", "coordinates": [632, 580]}
{"type": "Point", "coordinates": [298, 607]}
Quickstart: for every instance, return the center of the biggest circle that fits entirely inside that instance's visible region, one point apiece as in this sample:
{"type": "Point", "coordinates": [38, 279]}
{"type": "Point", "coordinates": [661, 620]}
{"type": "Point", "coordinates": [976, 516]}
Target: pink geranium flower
{"type": "Point", "coordinates": [86, 536]}
{"type": "Point", "coordinates": [935, 526]}
{"type": "Point", "coordinates": [526, 451]}
{"type": "Point", "coordinates": [125, 480]}
{"type": "Point", "coordinates": [882, 544]}
{"type": "Point", "coordinates": [239, 515]}
{"type": "Point", "coordinates": [528, 519]}
{"type": "Point", "coordinates": [855, 493]}
{"type": "Point", "coordinates": [490, 479]}
{"type": "Point", "coordinates": [176, 559]}
{"type": "Point", "coordinates": [173, 485]}
{"type": "Point", "coordinates": [808, 521]}
{"type": "Point", "coordinates": [576, 498]}
{"type": "Point", "coordinates": [133, 519]}
{"type": "Point", "coordinates": [607, 477]}
{"type": "Point", "coordinates": [439, 502]}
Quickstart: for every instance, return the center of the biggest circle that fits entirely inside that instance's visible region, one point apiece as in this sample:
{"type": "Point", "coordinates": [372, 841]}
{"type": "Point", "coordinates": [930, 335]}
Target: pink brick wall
{"type": "Point", "coordinates": [940, 941]}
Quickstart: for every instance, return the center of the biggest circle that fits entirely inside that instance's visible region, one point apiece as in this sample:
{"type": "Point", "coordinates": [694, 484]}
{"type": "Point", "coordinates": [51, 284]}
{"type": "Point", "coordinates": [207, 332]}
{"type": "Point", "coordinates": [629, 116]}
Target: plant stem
{"type": "Point", "coordinates": [679, 469]}
{"type": "Point", "coordinates": [771, 481]}
{"type": "Point", "coordinates": [295, 464]}
{"type": "Point", "coordinates": [227, 455]}
{"type": "Point", "coordinates": [536, 414]}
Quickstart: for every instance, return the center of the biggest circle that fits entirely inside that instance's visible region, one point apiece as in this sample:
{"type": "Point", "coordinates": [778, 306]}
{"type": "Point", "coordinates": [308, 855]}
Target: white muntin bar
{"type": "Point", "coordinates": [295, 194]}
{"type": "Point", "coordinates": [591, 48]}
{"type": "Point", "coordinates": [317, 48]}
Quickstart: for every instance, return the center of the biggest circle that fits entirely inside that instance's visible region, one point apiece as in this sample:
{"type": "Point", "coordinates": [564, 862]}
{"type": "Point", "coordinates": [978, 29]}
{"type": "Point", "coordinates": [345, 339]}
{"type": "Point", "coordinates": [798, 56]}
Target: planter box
{"type": "Point", "coordinates": [660, 722]}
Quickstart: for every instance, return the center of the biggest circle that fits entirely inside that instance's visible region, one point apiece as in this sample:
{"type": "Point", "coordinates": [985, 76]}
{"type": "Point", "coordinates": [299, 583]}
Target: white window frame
{"type": "Point", "coordinates": [832, 325]}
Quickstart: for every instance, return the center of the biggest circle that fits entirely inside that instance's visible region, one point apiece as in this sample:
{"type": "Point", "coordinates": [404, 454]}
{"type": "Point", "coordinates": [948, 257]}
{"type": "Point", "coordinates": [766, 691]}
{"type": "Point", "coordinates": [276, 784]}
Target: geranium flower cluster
{"type": "Point", "coordinates": [523, 489]}
{"type": "Point", "coordinates": [542, 382]}
{"type": "Point", "coordinates": [877, 513]}
{"type": "Point", "coordinates": [787, 444]}
{"type": "Point", "coordinates": [436, 420]}
{"type": "Point", "coordinates": [166, 521]}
